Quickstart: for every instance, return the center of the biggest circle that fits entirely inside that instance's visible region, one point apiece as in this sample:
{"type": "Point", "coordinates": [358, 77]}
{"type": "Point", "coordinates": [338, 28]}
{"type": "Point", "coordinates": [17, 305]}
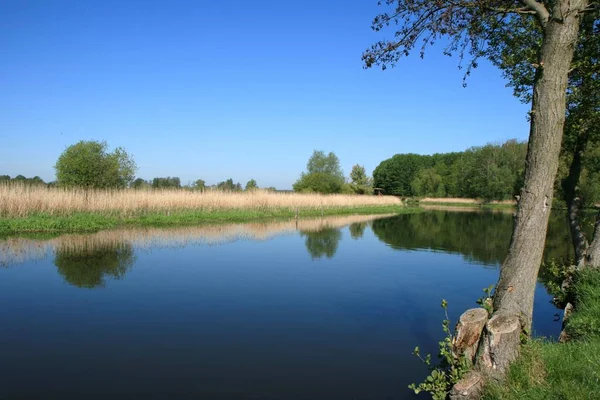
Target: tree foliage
{"type": "Point", "coordinates": [251, 185]}
{"type": "Point", "coordinates": [490, 172]}
{"type": "Point", "coordinates": [323, 174]}
{"type": "Point", "coordinates": [166, 183]}
{"type": "Point", "coordinates": [88, 164]}
{"type": "Point", "coordinates": [360, 183]}
{"type": "Point", "coordinates": [229, 186]}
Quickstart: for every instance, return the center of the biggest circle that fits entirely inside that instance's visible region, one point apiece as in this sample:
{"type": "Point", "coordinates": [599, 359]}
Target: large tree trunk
{"type": "Point", "coordinates": [516, 286]}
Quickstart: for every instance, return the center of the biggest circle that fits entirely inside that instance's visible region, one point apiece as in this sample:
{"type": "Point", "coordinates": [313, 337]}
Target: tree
{"type": "Point", "coordinates": [327, 164]}
{"type": "Point", "coordinates": [515, 53]}
{"type": "Point", "coordinates": [166, 183]}
{"type": "Point", "coordinates": [140, 183]}
{"type": "Point", "coordinates": [395, 175]}
{"type": "Point", "coordinates": [88, 164]}
{"type": "Point", "coordinates": [199, 184]}
{"type": "Point", "coordinates": [251, 185]}
{"type": "Point", "coordinates": [229, 186]}
{"type": "Point", "coordinates": [470, 24]}
{"type": "Point", "coordinates": [428, 183]}
{"type": "Point", "coordinates": [359, 181]}
{"type": "Point", "coordinates": [323, 174]}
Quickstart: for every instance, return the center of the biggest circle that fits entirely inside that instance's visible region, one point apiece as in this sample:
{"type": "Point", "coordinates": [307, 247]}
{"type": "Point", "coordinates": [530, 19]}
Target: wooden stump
{"type": "Point", "coordinates": [500, 345]}
{"type": "Point", "coordinates": [469, 387]}
{"type": "Point", "coordinates": [468, 332]}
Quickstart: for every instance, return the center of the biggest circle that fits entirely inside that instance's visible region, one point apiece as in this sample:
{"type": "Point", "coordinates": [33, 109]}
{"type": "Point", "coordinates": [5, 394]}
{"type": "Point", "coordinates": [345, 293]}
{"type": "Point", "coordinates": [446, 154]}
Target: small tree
{"type": "Point", "coordinates": [199, 184]}
{"type": "Point", "coordinates": [251, 185]}
{"type": "Point", "coordinates": [88, 164]}
{"type": "Point", "coordinates": [359, 181]}
{"type": "Point", "coordinates": [323, 174]}
{"type": "Point", "coordinates": [139, 183]}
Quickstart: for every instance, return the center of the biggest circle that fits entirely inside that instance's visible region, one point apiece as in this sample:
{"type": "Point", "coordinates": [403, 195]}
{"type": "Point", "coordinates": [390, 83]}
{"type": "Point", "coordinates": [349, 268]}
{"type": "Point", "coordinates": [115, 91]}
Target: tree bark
{"type": "Point", "coordinates": [516, 286]}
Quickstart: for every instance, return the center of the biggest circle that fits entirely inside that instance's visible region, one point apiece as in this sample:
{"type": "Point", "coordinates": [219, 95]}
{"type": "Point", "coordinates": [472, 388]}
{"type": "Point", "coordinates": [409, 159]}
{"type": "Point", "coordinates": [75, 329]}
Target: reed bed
{"type": "Point", "coordinates": [17, 200]}
{"type": "Point", "coordinates": [17, 250]}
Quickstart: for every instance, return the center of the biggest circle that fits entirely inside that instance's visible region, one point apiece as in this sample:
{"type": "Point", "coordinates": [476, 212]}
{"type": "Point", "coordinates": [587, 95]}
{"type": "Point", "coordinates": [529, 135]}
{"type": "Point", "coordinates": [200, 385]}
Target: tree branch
{"type": "Point", "coordinates": [540, 10]}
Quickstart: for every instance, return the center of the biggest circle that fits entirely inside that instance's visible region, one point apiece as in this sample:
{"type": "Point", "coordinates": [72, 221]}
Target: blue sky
{"type": "Point", "coordinates": [229, 89]}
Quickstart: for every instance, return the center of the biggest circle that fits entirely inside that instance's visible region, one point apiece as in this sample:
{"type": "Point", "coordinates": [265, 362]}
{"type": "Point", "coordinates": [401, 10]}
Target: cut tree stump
{"type": "Point", "coordinates": [468, 331]}
{"type": "Point", "coordinates": [500, 345]}
{"type": "Point", "coordinates": [470, 387]}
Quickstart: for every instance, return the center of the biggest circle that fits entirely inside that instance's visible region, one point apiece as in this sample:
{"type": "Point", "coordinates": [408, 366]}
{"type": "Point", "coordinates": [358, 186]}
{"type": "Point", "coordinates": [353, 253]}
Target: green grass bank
{"type": "Point", "coordinates": [560, 371]}
{"type": "Point", "coordinates": [93, 222]}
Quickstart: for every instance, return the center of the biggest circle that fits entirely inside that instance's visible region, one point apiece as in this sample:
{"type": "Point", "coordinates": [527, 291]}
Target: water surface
{"type": "Point", "coordinates": [318, 309]}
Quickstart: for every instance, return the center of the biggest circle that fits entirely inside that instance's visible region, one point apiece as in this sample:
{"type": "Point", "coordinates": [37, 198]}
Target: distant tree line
{"type": "Point", "coordinates": [36, 180]}
{"type": "Point", "coordinates": [89, 164]}
{"type": "Point", "coordinates": [491, 172]}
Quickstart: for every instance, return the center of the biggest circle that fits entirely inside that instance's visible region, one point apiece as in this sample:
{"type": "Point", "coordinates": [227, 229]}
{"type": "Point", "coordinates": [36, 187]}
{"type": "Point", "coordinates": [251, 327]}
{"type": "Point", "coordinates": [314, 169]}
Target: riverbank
{"type": "Point", "coordinates": [551, 370]}
{"type": "Point", "coordinates": [42, 209]}
{"type": "Point", "coordinates": [93, 222]}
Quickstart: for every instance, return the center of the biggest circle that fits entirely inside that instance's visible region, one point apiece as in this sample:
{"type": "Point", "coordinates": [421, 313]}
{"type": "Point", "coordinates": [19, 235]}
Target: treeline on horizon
{"type": "Point", "coordinates": [155, 183]}
{"type": "Point", "coordinates": [490, 172]}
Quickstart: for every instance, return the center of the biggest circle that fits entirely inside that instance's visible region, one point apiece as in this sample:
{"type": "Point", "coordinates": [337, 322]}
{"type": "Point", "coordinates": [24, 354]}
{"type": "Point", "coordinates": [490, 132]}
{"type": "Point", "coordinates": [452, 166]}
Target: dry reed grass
{"type": "Point", "coordinates": [17, 250]}
{"type": "Point", "coordinates": [22, 200]}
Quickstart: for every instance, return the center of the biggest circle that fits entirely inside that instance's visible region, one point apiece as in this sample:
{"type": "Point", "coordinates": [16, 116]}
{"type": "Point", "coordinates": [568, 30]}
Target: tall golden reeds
{"type": "Point", "coordinates": [18, 200]}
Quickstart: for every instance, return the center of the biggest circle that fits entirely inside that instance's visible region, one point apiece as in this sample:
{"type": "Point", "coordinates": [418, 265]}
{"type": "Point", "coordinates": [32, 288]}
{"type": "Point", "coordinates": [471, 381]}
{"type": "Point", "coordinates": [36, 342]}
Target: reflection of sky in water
{"type": "Point", "coordinates": [264, 319]}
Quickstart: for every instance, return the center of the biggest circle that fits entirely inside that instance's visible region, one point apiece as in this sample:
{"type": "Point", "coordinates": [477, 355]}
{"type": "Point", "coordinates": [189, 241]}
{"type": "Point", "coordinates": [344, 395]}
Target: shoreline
{"type": "Point", "coordinates": [82, 222]}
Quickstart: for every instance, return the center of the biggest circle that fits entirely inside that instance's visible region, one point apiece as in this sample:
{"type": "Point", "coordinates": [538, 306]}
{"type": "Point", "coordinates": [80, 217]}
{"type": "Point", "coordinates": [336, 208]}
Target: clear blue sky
{"type": "Point", "coordinates": [220, 89]}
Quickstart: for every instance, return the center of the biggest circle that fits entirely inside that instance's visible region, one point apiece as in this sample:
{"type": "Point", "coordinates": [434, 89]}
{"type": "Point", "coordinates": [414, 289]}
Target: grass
{"type": "Point", "coordinates": [549, 370]}
{"type": "Point", "coordinates": [40, 209]}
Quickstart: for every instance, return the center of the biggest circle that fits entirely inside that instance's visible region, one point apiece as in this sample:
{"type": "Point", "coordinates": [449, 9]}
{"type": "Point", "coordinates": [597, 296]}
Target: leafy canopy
{"type": "Point", "coordinates": [88, 164]}
{"type": "Point", "coordinates": [323, 174]}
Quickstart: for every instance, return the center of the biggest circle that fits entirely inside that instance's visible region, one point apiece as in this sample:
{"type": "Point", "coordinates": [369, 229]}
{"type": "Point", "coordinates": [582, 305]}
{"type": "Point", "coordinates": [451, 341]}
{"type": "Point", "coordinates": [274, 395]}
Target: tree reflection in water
{"type": "Point", "coordinates": [88, 264]}
{"type": "Point", "coordinates": [323, 243]}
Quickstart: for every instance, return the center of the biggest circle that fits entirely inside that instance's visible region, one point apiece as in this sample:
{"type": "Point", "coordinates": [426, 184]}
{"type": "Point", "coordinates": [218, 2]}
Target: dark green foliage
{"type": "Point", "coordinates": [318, 182]}
{"type": "Point", "coordinates": [396, 174]}
{"type": "Point", "coordinates": [140, 183]}
{"type": "Point", "coordinates": [88, 164]}
{"type": "Point", "coordinates": [323, 175]}
{"type": "Point", "coordinates": [166, 183]}
{"type": "Point", "coordinates": [585, 295]}
{"type": "Point", "coordinates": [36, 180]}
{"type": "Point", "coordinates": [251, 185]}
{"type": "Point", "coordinates": [490, 172]}
{"type": "Point", "coordinates": [229, 186]}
